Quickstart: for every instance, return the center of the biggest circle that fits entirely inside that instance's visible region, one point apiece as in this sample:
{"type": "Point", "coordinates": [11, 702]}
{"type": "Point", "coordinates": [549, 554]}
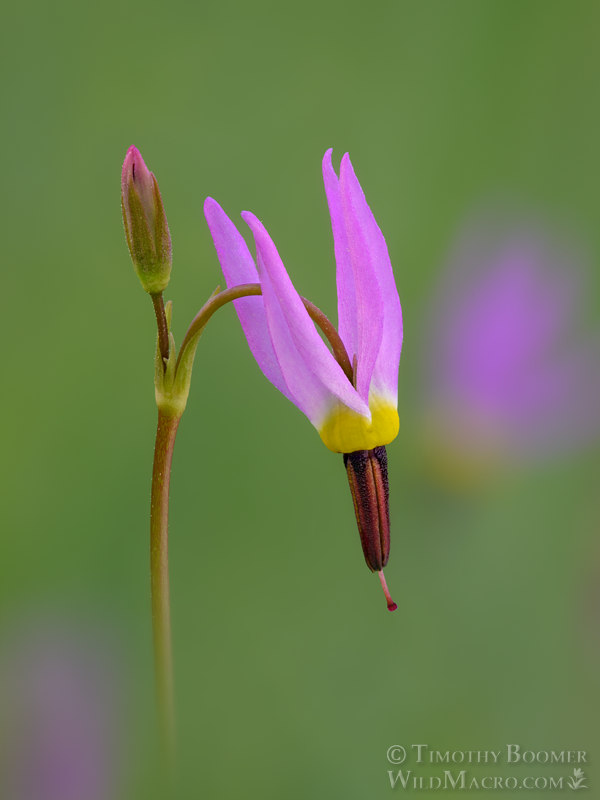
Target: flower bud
{"type": "Point", "coordinates": [145, 223]}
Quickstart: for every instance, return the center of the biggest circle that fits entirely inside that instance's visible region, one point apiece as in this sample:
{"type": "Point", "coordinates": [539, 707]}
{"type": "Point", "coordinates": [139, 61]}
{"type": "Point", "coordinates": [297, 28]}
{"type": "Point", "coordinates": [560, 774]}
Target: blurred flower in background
{"type": "Point", "coordinates": [59, 734]}
{"type": "Point", "coordinates": [512, 372]}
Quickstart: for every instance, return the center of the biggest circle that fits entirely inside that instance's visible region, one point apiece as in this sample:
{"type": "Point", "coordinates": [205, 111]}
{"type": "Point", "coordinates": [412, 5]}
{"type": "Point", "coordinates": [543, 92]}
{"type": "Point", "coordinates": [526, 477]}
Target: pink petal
{"type": "Point", "coordinates": [378, 305]}
{"type": "Point", "coordinates": [312, 374]}
{"type": "Point", "coordinates": [238, 267]}
{"type": "Point", "coordinates": [359, 295]}
{"type": "Point", "coordinates": [346, 292]}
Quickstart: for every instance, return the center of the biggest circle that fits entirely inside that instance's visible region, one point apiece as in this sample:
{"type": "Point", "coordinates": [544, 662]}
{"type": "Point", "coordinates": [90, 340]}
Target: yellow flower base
{"type": "Point", "coordinates": [345, 431]}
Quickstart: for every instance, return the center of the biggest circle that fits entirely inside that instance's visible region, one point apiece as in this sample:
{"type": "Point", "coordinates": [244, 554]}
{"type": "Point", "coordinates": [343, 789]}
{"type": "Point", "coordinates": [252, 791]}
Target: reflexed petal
{"type": "Point", "coordinates": [238, 267]}
{"type": "Point", "coordinates": [368, 243]}
{"type": "Point", "coordinates": [346, 292]}
{"type": "Point", "coordinates": [315, 379]}
{"type": "Point", "coordinates": [366, 305]}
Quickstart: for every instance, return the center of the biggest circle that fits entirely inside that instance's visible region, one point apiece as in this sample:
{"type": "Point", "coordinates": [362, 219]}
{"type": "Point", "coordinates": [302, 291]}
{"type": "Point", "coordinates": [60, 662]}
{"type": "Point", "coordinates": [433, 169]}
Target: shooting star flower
{"type": "Point", "coordinates": [513, 376]}
{"type": "Point", "coordinates": [354, 410]}
{"type": "Point", "coordinates": [61, 698]}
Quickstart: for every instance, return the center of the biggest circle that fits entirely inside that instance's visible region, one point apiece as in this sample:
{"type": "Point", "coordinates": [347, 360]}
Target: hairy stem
{"type": "Point", "coordinates": [249, 289]}
{"type": "Point", "coordinates": [159, 575]}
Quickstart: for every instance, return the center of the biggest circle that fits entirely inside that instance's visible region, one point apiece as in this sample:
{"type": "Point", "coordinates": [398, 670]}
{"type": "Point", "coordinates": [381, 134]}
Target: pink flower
{"type": "Point", "coordinates": [350, 416]}
{"type": "Point", "coordinates": [60, 697]}
{"type": "Point", "coordinates": [512, 377]}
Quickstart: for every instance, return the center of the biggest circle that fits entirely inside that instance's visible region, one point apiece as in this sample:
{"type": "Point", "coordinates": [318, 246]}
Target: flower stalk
{"type": "Point", "coordinates": [162, 326]}
{"type": "Point", "coordinates": [220, 299]}
{"type": "Point", "coordinates": [172, 381]}
{"type": "Point", "coordinates": [166, 432]}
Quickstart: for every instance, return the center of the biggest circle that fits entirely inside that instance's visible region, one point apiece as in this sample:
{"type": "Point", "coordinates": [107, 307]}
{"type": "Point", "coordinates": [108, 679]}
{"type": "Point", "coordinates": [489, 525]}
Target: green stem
{"type": "Point", "coordinates": [159, 572]}
{"type": "Point", "coordinates": [161, 324]}
{"type": "Point", "coordinates": [161, 474]}
{"type": "Point", "coordinates": [248, 289]}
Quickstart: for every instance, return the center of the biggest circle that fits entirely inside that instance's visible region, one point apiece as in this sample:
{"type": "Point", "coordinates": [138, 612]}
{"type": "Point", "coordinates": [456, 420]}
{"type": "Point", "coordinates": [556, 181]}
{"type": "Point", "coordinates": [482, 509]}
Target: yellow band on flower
{"type": "Point", "coordinates": [345, 431]}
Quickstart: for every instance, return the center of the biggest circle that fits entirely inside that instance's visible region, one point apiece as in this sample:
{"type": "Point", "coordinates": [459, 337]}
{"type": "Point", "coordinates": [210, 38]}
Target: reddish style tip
{"type": "Point", "coordinates": [390, 603]}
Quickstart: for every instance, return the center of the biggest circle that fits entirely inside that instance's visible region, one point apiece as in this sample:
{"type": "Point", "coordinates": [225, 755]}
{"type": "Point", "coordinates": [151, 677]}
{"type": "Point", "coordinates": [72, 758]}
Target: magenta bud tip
{"type": "Point", "coordinates": [392, 606]}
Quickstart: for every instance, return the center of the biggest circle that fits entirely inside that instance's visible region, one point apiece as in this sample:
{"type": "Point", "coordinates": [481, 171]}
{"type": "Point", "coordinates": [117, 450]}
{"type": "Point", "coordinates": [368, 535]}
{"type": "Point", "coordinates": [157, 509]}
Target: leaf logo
{"type": "Point", "coordinates": [577, 780]}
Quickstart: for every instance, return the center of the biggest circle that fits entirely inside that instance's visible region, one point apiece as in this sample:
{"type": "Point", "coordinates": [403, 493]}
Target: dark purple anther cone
{"type": "Point", "coordinates": [368, 478]}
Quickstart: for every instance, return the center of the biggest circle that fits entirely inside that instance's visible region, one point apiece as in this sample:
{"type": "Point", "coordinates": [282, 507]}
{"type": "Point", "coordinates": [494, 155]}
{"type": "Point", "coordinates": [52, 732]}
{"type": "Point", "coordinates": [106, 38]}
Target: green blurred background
{"type": "Point", "coordinates": [292, 679]}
